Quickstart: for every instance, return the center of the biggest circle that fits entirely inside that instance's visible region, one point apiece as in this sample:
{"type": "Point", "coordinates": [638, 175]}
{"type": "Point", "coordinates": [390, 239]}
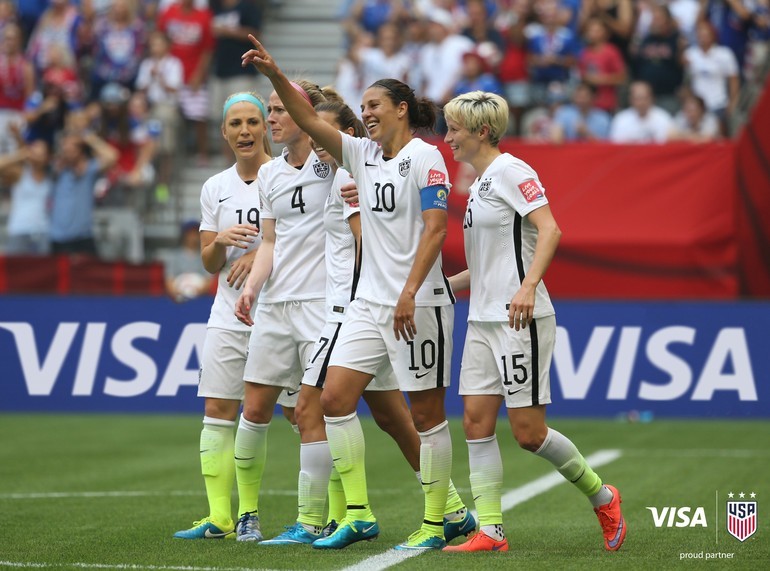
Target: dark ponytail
{"type": "Point", "coordinates": [421, 110]}
{"type": "Point", "coordinates": [344, 115]}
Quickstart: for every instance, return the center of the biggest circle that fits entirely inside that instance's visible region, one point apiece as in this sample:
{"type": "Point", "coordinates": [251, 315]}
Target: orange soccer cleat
{"type": "Point", "coordinates": [479, 542]}
{"type": "Point", "coordinates": [612, 522]}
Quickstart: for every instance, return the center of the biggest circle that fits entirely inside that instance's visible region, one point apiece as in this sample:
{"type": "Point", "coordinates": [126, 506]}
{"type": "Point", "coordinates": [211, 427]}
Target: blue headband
{"type": "Point", "coordinates": [243, 97]}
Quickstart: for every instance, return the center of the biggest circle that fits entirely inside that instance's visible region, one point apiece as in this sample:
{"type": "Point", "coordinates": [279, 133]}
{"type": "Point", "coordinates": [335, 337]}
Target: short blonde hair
{"type": "Point", "coordinates": [478, 108]}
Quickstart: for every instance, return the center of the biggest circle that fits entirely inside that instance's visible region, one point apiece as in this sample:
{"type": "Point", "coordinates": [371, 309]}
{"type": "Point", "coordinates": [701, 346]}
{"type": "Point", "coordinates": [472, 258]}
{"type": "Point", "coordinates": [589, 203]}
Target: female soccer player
{"type": "Point", "coordinates": [387, 404]}
{"type": "Point", "coordinates": [402, 315]}
{"type": "Point", "coordinates": [289, 276]}
{"type": "Point", "coordinates": [229, 240]}
{"type": "Point", "coordinates": [510, 239]}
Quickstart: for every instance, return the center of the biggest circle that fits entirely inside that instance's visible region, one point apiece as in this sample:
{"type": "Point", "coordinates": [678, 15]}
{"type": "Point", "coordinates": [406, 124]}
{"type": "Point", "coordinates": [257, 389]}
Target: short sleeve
{"type": "Point", "coordinates": [343, 177]}
{"type": "Point", "coordinates": [433, 171]}
{"type": "Point", "coordinates": [265, 206]}
{"type": "Point", "coordinates": [523, 190]}
{"type": "Point", "coordinates": [352, 153]}
{"type": "Point", "coordinates": [208, 217]}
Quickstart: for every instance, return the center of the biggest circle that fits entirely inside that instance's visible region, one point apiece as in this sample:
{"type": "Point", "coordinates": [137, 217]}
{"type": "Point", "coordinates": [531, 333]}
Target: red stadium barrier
{"type": "Point", "coordinates": [78, 275]}
{"type": "Point", "coordinates": [638, 222]}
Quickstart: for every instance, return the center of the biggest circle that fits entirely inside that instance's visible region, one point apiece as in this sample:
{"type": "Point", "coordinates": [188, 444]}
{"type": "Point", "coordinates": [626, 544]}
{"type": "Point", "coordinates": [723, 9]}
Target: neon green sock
{"type": "Point", "coordinates": [250, 457]}
{"type": "Point", "coordinates": [436, 471]}
{"type": "Point", "coordinates": [562, 453]}
{"type": "Point", "coordinates": [454, 503]}
{"type": "Point", "coordinates": [346, 443]}
{"type": "Point", "coordinates": [218, 468]}
{"type": "Point", "coordinates": [337, 505]}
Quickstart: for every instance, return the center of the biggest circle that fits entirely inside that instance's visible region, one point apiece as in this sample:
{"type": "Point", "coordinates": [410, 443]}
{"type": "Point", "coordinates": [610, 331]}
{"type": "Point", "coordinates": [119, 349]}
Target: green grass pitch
{"type": "Point", "coordinates": [53, 468]}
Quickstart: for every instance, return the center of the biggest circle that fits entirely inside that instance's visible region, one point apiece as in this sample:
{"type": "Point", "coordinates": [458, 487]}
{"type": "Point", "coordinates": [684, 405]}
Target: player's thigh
{"type": "Point", "coordinates": [222, 364]}
{"type": "Point", "coordinates": [423, 363]}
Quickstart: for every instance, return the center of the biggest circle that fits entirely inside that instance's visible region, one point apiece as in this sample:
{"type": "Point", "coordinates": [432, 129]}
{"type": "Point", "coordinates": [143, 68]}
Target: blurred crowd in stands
{"type": "Point", "coordinates": [100, 100]}
{"type": "Point", "coordinates": [627, 71]}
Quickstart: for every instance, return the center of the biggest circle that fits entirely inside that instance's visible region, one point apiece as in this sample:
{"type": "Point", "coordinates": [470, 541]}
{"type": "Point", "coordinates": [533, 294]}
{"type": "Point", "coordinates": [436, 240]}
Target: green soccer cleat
{"type": "Point", "coordinates": [422, 541]}
{"type": "Point", "coordinates": [349, 532]}
{"type": "Point", "coordinates": [204, 529]}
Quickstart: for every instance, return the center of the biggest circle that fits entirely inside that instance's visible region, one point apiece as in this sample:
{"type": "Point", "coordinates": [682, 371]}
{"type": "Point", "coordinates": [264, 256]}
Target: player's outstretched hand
{"type": "Point", "coordinates": [260, 58]}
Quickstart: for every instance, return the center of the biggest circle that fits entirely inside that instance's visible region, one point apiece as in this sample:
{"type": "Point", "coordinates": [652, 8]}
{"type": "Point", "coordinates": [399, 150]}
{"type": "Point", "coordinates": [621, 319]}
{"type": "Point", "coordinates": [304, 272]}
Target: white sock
{"type": "Point", "coordinates": [315, 465]}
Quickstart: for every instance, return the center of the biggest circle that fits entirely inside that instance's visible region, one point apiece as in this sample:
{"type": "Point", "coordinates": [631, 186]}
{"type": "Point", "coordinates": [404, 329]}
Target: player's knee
{"type": "Point", "coordinates": [331, 404]}
{"type": "Point", "coordinates": [477, 428]}
{"type": "Point", "coordinates": [529, 438]}
{"type": "Point", "coordinates": [385, 422]}
{"type": "Point", "coordinates": [256, 415]}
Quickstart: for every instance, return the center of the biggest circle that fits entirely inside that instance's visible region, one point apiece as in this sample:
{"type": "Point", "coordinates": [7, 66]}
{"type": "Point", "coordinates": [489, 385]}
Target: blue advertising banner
{"type": "Point", "coordinates": [103, 354]}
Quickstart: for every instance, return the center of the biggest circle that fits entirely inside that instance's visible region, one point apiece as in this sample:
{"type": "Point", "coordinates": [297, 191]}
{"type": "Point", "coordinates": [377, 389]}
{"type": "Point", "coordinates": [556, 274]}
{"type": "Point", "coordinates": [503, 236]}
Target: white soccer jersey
{"type": "Point", "coordinates": [500, 240]}
{"type": "Point", "coordinates": [295, 199]}
{"type": "Point", "coordinates": [340, 249]}
{"type": "Point", "coordinates": [226, 200]}
{"type": "Point", "coordinates": [391, 217]}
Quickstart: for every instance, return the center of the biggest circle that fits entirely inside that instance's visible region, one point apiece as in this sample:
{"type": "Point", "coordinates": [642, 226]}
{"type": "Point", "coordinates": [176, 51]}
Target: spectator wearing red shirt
{"type": "Point", "coordinates": [192, 41]}
{"type": "Point", "coordinates": [602, 66]}
{"type": "Point", "coordinates": [16, 84]}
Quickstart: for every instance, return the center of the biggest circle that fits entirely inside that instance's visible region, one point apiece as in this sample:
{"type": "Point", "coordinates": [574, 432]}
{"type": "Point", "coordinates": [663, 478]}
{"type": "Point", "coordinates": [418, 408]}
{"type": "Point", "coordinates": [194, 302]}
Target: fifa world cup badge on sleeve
{"type": "Point", "coordinates": [742, 518]}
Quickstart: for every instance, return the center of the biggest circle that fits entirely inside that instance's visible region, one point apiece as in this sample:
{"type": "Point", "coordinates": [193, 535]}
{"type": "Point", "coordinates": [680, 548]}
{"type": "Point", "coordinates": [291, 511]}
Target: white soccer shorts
{"type": "Point", "coordinates": [315, 372]}
{"type": "Point", "coordinates": [498, 360]}
{"type": "Point", "coordinates": [282, 341]}
{"type": "Point", "coordinates": [222, 364]}
{"type": "Point", "coordinates": [367, 343]}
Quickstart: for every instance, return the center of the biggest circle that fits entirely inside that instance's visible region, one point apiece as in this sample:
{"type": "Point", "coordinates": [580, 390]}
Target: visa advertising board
{"type": "Point", "coordinates": [137, 354]}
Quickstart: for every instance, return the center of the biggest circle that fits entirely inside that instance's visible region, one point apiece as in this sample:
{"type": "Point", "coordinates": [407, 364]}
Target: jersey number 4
{"type": "Point", "coordinates": [296, 200]}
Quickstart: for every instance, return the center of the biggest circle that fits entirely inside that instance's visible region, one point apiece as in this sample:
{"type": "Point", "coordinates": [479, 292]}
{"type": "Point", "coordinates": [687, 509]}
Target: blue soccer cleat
{"type": "Point", "coordinates": [294, 535]}
{"type": "Point", "coordinates": [421, 540]}
{"type": "Point", "coordinates": [247, 528]}
{"type": "Point", "coordinates": [463, 526]}
{"type": "Point", "coordinates": [349, 532]}
{"type": "Point", "coordinates": [204, 529]}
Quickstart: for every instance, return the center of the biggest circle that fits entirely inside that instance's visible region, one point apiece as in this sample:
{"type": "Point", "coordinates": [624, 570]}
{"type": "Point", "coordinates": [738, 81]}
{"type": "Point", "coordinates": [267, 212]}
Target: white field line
{"type": "Point", "coordinates": [129, 566]}
{"type": "Point", "coordinates": [510, 500]}
{"type": "Point", "coordinates": [698, 453]}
